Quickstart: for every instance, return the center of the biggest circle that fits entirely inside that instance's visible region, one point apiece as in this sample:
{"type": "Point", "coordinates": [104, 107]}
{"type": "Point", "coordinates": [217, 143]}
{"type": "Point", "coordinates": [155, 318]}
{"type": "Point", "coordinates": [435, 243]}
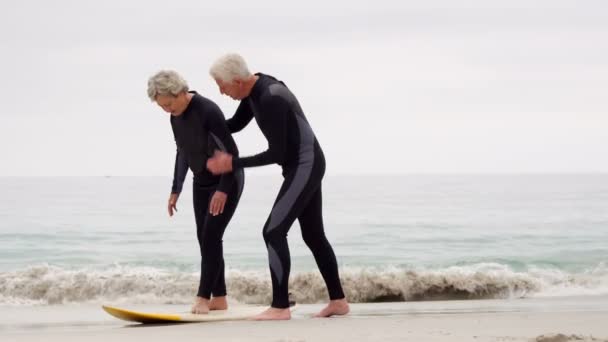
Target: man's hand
{"type": "Point", "coordinates": [172, 205]}
{"type": "Point", "coordinates": [217, 203]}
{"type": "Point", "coordinates": [221, 162]}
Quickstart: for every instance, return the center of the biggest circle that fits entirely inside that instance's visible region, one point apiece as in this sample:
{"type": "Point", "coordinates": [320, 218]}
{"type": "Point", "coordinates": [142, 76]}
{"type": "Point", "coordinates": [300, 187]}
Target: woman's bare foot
{"type": "Point", "coordinates": [201, 306]}
{"type": "Point", "coordinates": [335, 307]}
{"type": "Point", "coordinates": [273, 314]}
{"type": "Point", "coordinates": [218, 303]}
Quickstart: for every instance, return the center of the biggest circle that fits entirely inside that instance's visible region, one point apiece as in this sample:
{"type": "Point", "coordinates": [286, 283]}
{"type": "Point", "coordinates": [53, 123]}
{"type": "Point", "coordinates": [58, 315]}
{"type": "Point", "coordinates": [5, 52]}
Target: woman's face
{"type": "Point", "coordinates": [174, 105]}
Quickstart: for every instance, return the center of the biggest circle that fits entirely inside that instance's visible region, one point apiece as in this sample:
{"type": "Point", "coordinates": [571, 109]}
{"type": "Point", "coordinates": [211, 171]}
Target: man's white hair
{"type": "Point", "coordinates": [166, 82]}
{"type": "Point", "coordinates": [230, 67]}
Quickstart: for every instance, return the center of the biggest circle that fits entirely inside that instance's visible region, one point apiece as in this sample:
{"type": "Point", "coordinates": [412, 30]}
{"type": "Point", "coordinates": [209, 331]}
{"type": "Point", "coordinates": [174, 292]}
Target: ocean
{"type": "Point", "coordinates": [66, 240]}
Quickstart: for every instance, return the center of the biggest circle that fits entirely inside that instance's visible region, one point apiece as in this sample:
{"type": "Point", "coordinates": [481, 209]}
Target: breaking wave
{"type": "Point", "coordinates": [45, 284]}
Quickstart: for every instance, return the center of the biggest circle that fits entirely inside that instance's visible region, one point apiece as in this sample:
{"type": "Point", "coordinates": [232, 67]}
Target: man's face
{"type": "Point", "coordinates": [173, 105]}
{"type": "Point", "coordinates": [233, 89]}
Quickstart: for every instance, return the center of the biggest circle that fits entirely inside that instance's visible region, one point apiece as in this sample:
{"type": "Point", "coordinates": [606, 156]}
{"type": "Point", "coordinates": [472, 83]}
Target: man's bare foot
{"type": "Point", "coordinates": [335, 307]}
{"type": "Point", "coordinates": [273, 314]}
{"type": "Point", "coordinates": [201, 306]}
{"type": "Point", "coordinates": [218, 303]}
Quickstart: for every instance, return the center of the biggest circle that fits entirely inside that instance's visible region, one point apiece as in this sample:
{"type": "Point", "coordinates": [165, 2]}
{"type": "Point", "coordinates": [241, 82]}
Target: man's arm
{"type": "Point", "coordinates": [275, 118]}
{"type": "Point", "coordinates": [241, 118]}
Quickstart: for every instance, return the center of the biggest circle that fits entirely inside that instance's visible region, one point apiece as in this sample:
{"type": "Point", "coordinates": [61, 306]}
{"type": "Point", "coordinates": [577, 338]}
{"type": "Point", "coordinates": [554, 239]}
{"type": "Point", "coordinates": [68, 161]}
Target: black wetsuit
{"type": "Point", "coordinates": [293, 145]}
{"type": "Point", "coordinates": [198, 132]}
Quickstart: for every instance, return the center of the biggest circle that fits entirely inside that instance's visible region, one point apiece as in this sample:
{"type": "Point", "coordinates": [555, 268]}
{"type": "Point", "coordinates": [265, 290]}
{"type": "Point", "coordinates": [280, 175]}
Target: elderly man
{"type": "Point", "coordinates": [293, 145]}
{"type": "Point", "coordinates": [199, 129]}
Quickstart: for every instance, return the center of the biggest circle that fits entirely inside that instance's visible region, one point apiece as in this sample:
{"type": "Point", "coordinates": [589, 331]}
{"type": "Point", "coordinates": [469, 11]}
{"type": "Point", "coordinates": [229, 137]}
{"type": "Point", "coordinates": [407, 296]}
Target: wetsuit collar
{"type": "Point", "coordinates": [257, 87]}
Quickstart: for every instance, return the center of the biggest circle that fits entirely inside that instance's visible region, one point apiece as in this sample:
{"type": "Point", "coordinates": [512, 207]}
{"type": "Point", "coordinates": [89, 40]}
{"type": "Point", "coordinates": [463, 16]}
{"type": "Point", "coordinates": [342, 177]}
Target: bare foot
{"type": "Point", "coordinates": [335, 307]}
{"type": "Point", "coordinates": [201, 306]}
{"type": "Point", "coordinates": [273, 314]}
{"type": "Point", "coordinates": [218, 303]}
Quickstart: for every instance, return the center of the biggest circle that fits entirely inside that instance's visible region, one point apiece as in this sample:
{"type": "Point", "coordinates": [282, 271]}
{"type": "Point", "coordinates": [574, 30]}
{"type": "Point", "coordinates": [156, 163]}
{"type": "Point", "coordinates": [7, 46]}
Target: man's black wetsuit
{"type": "Point", "coordinates": [198, 132]}
{"type": "Point", "coordinates": [293, 145]}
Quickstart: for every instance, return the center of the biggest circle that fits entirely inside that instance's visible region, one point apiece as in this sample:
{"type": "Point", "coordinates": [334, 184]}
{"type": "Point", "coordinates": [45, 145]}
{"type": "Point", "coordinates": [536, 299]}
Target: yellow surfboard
{"type": "Point", "coordinates": [232, 314]}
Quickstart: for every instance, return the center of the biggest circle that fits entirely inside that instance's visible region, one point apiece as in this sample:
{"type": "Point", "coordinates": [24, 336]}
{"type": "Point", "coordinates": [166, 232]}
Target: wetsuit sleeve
{"type": "Point", "coordinates": [219, 132]}
{"type": "Point", "coordinates": [275, 120]}
{"type": "Point", "coordinates": [241, 118]}
{"type": "Point", "coordinates": [179, 173]}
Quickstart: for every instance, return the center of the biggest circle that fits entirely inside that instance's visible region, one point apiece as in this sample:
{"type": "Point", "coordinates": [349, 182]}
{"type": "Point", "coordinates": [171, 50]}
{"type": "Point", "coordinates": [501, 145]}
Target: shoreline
{"type": "Point", "coordinates": [469, 320]}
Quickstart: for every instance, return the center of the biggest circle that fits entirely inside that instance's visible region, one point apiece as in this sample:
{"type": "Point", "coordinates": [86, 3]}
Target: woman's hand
{"type": "Point", "coordinates": [218, 201]}
{"type": "Point", "coordinates": [172, 204]}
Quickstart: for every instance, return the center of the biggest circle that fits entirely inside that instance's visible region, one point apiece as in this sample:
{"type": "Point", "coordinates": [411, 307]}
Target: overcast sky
{"type": "Point", "coordinates": [388, 86]}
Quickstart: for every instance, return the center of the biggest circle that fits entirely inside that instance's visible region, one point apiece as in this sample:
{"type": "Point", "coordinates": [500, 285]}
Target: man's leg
{"type": "Point", "coordinates": [292, 198]}
{"type": "Point", "coordinates": [313, 233]}
{"type": "Point", "coordinates": [311, 223]}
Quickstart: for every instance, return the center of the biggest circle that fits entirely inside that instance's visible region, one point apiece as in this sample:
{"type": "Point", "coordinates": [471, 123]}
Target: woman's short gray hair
{"type": "Point", "coordinates": [166, 82]}
{"type": "Point", "coordinates": [230, 67]}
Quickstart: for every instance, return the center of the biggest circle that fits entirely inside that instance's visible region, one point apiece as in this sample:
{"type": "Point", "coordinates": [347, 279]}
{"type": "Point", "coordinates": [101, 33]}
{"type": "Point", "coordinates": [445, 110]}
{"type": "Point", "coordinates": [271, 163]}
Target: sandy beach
{"type": "Point", "coordinates": [545, 319]}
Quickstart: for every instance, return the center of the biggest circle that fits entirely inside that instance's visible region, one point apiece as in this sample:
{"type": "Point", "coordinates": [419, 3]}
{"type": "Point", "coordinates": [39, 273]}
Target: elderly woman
{"type": "Point", "coordinates": [199, 129]}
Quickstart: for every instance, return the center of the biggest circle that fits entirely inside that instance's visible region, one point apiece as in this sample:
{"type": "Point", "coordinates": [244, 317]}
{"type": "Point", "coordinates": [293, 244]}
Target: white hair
{"type": "Point", "coordinates": [166, 82]}
{"type": "Point", "coordinates": [230, 67]}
